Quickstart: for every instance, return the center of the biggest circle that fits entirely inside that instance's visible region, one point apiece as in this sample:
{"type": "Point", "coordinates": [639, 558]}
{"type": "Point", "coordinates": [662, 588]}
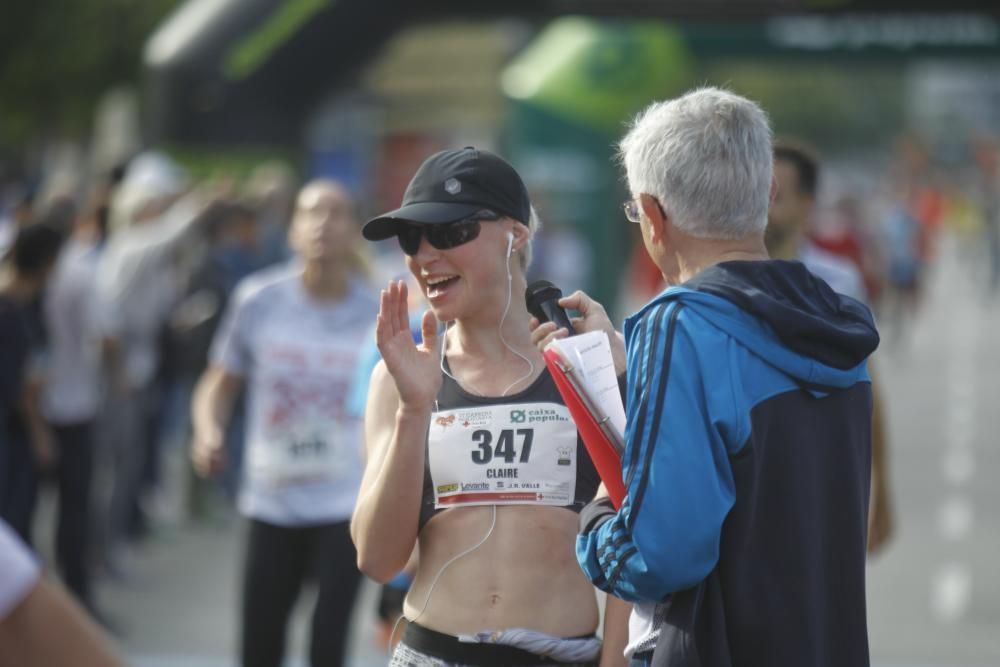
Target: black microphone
{"type": "Point", "coordinates": [543, 302]}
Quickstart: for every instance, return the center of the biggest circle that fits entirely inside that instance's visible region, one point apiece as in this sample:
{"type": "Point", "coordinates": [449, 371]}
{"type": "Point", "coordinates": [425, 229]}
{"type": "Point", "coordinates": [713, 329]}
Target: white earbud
{"type": "Point", "coordinates": [510, 243]}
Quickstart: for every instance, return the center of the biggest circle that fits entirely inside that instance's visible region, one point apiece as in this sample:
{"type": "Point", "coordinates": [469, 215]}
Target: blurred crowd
{"type": "Point", "coordinates": [109, 302]}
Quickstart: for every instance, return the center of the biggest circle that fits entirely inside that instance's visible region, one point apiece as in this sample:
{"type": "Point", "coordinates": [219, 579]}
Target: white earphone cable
{"type": "Point", "coordinates": [493, 521]}
{"type": "Point", "coordinates": [506, 311]}
{"type": "Point", "coordinates": [437, 577]}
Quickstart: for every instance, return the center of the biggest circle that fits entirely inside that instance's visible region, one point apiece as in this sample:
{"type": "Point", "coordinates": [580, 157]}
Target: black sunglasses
{"type": "Point", "coordinates": [443, 235]}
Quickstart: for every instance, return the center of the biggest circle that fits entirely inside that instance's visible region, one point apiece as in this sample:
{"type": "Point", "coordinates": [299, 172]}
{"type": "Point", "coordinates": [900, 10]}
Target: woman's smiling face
{"type": "Point", "coordinates": [460, 281]}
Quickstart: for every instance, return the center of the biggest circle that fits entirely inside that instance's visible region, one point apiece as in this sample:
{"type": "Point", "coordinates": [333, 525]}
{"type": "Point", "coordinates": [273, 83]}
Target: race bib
{"type": "Point", "coordinates": [522, 454]}
{"type": "Point", "coordinates": [303, 437]}
{"type": "Point", "coordinates": [304, 453]}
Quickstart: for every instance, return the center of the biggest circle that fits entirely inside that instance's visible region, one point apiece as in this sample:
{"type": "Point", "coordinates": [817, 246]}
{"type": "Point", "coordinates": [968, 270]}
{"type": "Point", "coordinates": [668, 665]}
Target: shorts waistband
{"type": "Point", "coordinates": [450, 649]}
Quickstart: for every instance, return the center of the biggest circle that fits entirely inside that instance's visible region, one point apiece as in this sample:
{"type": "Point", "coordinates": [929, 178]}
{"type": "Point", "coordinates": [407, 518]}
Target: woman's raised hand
{"type": "Point", "coordinates": [414, 368]}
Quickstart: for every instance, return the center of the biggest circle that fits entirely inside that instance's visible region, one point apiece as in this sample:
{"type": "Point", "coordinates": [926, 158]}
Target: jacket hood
{"type": "Point", "coordinates": [784, 314]}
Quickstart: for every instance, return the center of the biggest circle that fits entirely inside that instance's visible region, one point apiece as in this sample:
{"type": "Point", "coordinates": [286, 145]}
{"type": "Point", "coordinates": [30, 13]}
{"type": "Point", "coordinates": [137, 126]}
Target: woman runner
{"type": "Point", "coordinates": [471, 451]}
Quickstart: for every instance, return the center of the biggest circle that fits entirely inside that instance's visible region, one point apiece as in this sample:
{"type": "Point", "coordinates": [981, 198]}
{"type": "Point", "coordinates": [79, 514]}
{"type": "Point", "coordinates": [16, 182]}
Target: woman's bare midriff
{"type": "Point", "coordinates": [524, 576]}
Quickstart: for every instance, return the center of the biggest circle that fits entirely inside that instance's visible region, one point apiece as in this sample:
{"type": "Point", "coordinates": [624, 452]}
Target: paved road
{"type": "Point", "coordinates": [934, 595]}
{"type": "Point", "coordinates": [181, 611]}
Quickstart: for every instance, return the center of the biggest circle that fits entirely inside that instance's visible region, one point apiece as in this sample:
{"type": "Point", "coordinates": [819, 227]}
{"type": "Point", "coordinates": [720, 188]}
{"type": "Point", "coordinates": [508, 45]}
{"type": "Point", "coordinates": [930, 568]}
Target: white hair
{"type": "Point", "coordinates": [707, 158]}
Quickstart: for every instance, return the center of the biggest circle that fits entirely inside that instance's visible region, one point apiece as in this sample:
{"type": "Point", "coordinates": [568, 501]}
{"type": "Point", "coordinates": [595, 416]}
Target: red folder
{"type": "Point", "coordinates": [602, 451]}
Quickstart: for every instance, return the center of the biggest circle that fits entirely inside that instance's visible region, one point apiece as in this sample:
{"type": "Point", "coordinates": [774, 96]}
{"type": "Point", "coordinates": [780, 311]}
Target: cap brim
{"type": "Point", "coordinates": [384, 226]}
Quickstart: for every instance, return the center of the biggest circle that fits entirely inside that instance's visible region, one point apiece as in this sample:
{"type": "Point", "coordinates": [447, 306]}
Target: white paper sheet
{"type": "Point", "coordinates": [589, 355]}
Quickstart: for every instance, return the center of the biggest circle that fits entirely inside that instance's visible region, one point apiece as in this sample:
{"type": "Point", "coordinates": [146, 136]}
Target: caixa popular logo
{"type": "Point", "coordinates": [518, 416]}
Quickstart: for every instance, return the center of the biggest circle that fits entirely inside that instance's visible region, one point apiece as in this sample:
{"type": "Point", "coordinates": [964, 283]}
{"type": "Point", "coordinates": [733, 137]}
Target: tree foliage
{"type": "Point", "coordinates": [834, 106]}
{"type": "Point", "coordinates": [58, 56]}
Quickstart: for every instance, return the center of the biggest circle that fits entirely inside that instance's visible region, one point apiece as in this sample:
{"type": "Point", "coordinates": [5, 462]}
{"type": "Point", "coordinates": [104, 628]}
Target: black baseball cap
{"type": "Point", "coordinates": [452, 185]}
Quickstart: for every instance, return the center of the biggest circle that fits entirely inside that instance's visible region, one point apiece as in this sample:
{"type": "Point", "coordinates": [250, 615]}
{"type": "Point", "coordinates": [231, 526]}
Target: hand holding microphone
{"type": "Point", "coordinates": [548, 307]}
{"type": "Point", "coordinates": [543, 299]}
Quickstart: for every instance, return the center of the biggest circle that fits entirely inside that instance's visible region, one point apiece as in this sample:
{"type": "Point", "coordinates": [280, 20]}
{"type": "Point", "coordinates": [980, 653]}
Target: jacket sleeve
{"type": "Point", "coordinates": [679, 483]}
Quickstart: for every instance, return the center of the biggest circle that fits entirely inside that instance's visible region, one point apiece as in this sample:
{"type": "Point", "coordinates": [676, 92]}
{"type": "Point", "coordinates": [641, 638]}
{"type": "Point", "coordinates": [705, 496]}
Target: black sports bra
{"type": "Point", "coordinates": [542, 390]}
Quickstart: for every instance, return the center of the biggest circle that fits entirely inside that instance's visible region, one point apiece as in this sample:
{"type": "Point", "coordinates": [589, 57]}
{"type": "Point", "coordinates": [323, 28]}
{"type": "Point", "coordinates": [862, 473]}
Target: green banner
{"type": "Point", "coordinates": [598, 73]}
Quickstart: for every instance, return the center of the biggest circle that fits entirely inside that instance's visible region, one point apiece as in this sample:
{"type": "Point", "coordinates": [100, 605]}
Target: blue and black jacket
{"type": "Point", "coordinates": [747, 466]}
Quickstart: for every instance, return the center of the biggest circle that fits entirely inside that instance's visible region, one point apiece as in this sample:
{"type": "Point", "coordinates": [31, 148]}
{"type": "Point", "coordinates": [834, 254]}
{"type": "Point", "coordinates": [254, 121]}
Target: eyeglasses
{"type": "Point", "coordinates": [632, 211]}
{"type": "Point", "coordinates": [444, 235]}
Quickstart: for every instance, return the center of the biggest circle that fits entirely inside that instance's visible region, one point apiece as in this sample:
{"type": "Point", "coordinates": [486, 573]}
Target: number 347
{"type": "Point", "coordinates": [504, 448]}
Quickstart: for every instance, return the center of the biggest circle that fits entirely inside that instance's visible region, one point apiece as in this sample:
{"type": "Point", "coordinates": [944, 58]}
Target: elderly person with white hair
{"type": "Point", "coordinates": [741, 539]}
{"type": "Point", "coordinates": [136, 288]}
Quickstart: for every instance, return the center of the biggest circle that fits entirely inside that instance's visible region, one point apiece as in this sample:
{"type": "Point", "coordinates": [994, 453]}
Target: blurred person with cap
{"type": "Point", "coordinates": [292, 336]}
{"type": "Point", "coordinates": [789, 223]}
{"type": "Point", "coordinates": [26, 446]}
{"type": "Point", "coordinates": [454, 466]}
{"type": "Point", "coordinates": [741, 539]}
{"type": "Point", "coordinates": [136, 287]}
{"type": "Point", "coordinates": [41, 626]}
